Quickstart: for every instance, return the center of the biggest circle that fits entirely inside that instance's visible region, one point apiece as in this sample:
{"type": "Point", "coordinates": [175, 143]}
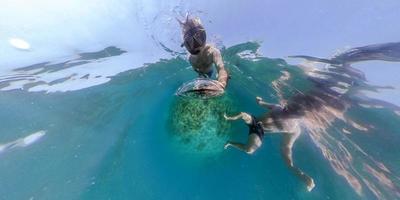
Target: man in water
{"type": "Point", "coordinates": [256, 129]}
{"type": "Point", "coordinates": [256, 133]}
{"type": "Point", "coordinates": [202, 55]}
{"type": "Point", "coordinates": [275, 121]}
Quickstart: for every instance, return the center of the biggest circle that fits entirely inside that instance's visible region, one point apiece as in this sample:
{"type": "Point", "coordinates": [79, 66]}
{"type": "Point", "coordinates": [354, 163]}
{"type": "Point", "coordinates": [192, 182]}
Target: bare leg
{"type": "Point", "coordinates": [252, 145]}
{"type": "Point", "coordinates": [287, 145]}
{"type": "Point", "coordinates": [267, 105]}
{"type": "Point", "coordinates": [240, 146]}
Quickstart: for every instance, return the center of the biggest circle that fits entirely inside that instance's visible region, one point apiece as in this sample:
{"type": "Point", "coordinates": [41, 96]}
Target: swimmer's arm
{"type": "Point", "coordinates": [240, 115]}
{"type": "Point", "coordinates": [222, 73]}
{"type": "Point", "coordinates": [191, 61]}
{"type": "Point", "coordinates": [265, 104]}
{"type": "Point", "coordinates": [245, 116]}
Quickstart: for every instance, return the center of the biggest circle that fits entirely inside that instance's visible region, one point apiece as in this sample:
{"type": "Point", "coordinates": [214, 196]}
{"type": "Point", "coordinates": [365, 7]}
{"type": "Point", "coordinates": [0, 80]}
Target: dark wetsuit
{"type": "Point", "coordinates": [256, 128]}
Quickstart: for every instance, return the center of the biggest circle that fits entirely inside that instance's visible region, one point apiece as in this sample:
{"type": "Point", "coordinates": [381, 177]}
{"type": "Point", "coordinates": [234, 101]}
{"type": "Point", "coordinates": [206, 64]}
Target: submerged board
{"type": "Point", "coordinates": [201, 88]}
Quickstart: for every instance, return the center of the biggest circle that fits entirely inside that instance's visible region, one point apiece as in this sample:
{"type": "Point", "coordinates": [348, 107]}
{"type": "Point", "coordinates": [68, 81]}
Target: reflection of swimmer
{"type": "Point", "coordinates": [384, 51]}
{"type": "Point", "coordinates": [202, 55]}
{"type": "Point", "coordinates": [272, 123]}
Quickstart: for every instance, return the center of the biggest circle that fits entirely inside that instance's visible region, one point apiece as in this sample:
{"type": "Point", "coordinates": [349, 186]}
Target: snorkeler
{"type": "Point", "coordinates": [256, 130]}
{"type": "Point", "coordinates": [256, 133]}
{"type": "Point", "coordinates": [276, 121]}
{"type": "Point", "coordinates": [202, 55]}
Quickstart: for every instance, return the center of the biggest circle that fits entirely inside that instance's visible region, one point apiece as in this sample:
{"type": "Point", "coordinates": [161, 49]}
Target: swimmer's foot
{"type": "Point", "coordinates": [310, 184]}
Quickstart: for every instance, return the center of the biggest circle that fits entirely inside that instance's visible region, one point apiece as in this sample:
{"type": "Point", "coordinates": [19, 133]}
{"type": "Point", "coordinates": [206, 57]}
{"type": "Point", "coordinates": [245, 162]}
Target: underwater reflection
{"type": "Point", "coordinates": [317, 110]}
{"type": "Point", "coordinates": [60, 75]}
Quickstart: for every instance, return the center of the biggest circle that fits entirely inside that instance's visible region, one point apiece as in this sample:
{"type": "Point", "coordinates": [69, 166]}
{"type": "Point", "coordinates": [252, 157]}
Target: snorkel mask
{"type": "Point", "coordinates": [194, 35]}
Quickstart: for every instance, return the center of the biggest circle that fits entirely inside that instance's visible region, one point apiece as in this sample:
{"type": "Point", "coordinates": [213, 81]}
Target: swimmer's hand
{"type": "Point", "coordinates": [227, 145]}
{"type": "Point", "coordinates": [226, 117]}
{"type": "Point", "coordinates": [258, 99]}
{"type": "Point", "coordinates": [221, 84]}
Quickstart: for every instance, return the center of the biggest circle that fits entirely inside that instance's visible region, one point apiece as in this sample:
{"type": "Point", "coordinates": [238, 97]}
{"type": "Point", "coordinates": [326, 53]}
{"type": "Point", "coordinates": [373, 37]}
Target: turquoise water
{"type": "Point", "coordinates": [132, 138]}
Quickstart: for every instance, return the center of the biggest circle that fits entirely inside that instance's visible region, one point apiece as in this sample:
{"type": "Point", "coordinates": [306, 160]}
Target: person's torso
{"type": "Point", "coordinates": [203, 61]}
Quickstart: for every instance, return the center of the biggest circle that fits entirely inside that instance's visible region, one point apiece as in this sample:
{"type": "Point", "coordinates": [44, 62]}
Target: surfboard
{"type": "Point", "coordinates": [200, 88]}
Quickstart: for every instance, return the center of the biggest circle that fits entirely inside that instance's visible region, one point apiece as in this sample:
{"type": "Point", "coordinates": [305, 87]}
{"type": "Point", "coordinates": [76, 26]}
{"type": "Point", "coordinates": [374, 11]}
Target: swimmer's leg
{"type": "Point", "coordinates": [252, 145]}
{"type": "Point", "coordinates": [237, 145]}
{"type": "Point", "coordinates": [266, 105]}
{"type": "Point", "coordinates": [286, 151]}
